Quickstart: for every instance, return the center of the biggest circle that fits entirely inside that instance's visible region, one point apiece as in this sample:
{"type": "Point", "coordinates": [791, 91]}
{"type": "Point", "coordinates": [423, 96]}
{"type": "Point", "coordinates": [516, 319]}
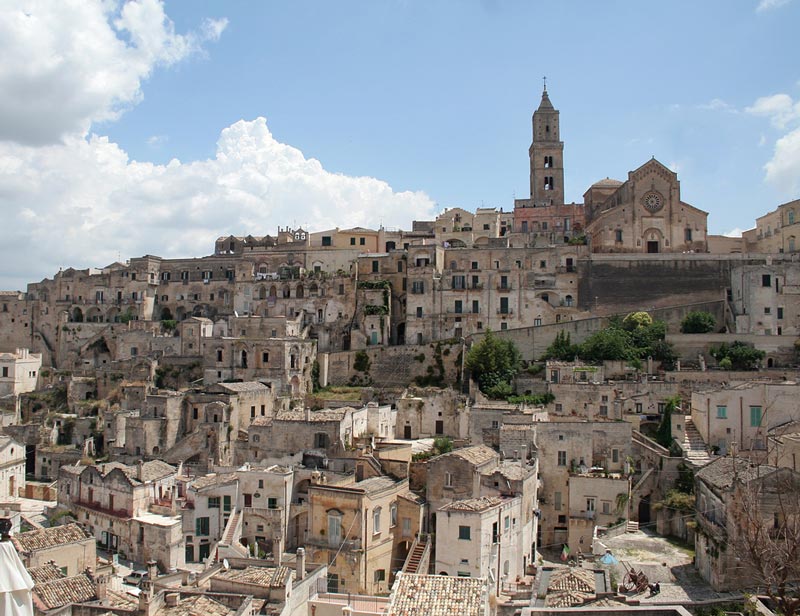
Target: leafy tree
{"type": "Point", "coordinates": [698, 322]}
{"type": "Point", "coordinates": [742, 356]}
{"type": "Point", "coordinates": [610, 343]}
{"type": "Point", "coordinates": [664, 431]}
{"type": "Point", "coordinates": [636, 320]}
{"type": "Point", "coordinates": [493, 363]}
{"type": "Point", "coordinates": [561, 348]}
{"type": "Point", "coordinates": [662, 351]}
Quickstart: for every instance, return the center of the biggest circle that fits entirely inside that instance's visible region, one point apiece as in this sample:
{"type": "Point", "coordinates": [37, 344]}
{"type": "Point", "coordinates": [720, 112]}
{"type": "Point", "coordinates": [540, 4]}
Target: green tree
{"type": "Point", "coordinates": [493, 363]}
{"type": "Point", "coordinates": [636, 320]}
{"type": "Point", "coordinates": [742, 356]}
{"type": "Point", "coordinates": [664, 431]}
{"type": "Point", "coordinates": [561, 348]}
{"type": "Point", "coordinates": [610, 343]}
{"type": "Point", "coordinates": [698, 322]}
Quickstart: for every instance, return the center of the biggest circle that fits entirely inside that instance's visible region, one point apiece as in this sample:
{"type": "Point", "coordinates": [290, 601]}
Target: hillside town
{"type": "Point", "coordinates": [512, 411]}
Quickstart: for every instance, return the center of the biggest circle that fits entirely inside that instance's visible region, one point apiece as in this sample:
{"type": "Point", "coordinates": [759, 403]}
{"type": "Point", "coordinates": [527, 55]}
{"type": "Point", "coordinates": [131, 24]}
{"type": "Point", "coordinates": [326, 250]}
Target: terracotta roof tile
{"type": "Point", "coordinates": [437, 595]}
{"type": "Point", "coordinates": [75, 589]}
{"type": "Point", "coordinates": [274, 577]}
{"type": "Point", "coordinates": [46, 573]}
{"type": "Point", "coordinates": [44, 538]}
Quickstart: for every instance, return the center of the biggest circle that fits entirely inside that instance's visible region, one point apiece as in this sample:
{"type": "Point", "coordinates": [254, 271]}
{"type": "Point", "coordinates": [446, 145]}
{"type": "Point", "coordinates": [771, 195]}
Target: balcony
{"type": "Point", "coordinates": [345, 545]}
{"type": "Point", "coordinates": [99, 508]}
{"type": "Point", "coordinates": [505, 287]}
{"type": "Point", "coordinates": [505, 312]}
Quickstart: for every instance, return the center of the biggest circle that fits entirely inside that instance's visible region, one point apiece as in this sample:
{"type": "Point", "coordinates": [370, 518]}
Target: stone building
{"type": "Point", "coordinates": [354, 529]}
{"type": "Point", "coordinates": [569, 450]}
{"type": "Point", "coordinates": [12, 466]}
{"type": "Point", "coordinates": [644, 214]}
{"type": "Point", "coordinates": [70, 546]}
{"type": "Point", "coordinates": [430, 413]}
{"type": "Point", "coordinates": [128, 509]}
{"type": "Point", "coordinates": [777, 231]}
{"type": "Point", "coordinates": [765, 299]}
{"type": "Point", "coordinates": [484, 537]}
{"type": "Point", "coordinates": [726, 491]}
{"type": "Point", "coordinates": [740, 417]}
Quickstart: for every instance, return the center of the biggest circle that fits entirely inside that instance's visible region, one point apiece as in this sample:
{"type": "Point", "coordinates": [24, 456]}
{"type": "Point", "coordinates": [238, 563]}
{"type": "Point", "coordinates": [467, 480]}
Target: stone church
{"type": "Point", "coordinates": [644, 214]}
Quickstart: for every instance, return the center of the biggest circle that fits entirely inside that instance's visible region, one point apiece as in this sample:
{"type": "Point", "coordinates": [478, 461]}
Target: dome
{"type": "Point", "coordinates": [607, 183]}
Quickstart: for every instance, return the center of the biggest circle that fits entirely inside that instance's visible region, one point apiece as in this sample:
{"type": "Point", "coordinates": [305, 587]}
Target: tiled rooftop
{"type": "Point", "coordinates": [75, 589]}
{"type": "Point", "coordinates": [722, 472]}
{"type": "Point", "coordinates": [437, 595]}
{"type": "Point", "coordinates": [274, 577]}
{"type": "Point", "coordinates": [375, 484]}
{"type": "Point", "coordinates": [323, 415]}
{"type": "Point", "coordinates": [481, 503]}
{"type": "Point", "coordinates": [46, 573]}
{"type": "Point", "coordinates": [213, 479]}
{"type": "Point", "coordinates": [199, 605]}
{"type": "Point", "coordinates": [44, 538]}
{"type": "Point", "coordinates": [476, 454]}
{"type": "Point", "coordinates": [247, 386]}
{"type": "Point", "coordinates": [569, 586]}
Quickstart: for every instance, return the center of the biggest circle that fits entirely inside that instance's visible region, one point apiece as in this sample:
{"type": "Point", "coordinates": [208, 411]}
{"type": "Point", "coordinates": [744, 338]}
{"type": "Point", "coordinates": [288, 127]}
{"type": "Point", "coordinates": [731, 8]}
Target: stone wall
{"type": "Point", "coordinates": [397, 365]}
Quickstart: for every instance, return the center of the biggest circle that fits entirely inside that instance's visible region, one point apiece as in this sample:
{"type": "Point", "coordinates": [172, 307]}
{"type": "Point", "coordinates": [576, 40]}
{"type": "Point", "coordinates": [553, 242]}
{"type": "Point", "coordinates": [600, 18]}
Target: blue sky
{"type": "Point", "coordinates": [146, 139]}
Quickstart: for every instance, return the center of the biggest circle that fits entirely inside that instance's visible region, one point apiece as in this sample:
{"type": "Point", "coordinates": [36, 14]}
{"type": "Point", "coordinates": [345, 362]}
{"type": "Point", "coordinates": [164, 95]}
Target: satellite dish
{"type": "Point", "coordinates": [225, 564]}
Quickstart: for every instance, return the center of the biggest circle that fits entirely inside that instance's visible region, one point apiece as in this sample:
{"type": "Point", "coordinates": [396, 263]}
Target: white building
{"type": "Point", "coordinates": [479, 536]}
{"type": "Point", "coordinates": [19, 371]}
{"type": "Point", "coordinates": [12, 466]}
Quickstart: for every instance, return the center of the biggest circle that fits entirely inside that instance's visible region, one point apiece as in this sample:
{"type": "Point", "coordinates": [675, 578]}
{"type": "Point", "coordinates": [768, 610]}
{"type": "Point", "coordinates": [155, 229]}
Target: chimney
{"type": "Point", "coordinates": [277, 550]}
{"type": "Point", "coordinates": [308, 414]}
{"type": "Point", "coordinates": [101, 587]}
{"type": "Point", "coordinates": [171, 599]}
{"type": "Point", "coordinates": [300, 565]}
{"type": "Point", "coordinates": [140, 470]}
{"type": "Point", "coordinates": [152, 571]}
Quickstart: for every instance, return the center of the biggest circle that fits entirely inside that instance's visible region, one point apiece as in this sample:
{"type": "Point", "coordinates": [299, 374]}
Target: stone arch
{"type": "Point", "coordinates": [295, 383]}
{"type": "Point", "coordinates": [93, 315]}
{"type": "Point", "coordinates": [299, 291]}
{"type": "Point", "coordinates": [456, 243]}
{"type": "Point", "coordinates": [285, 291]}
{"type": "Point", "coordinates": [262, 292]}
{"type": "Point", "coordinates": [180, 313]}
{"type": "Point", "coordinates": [165, 314]}
{"type": "Point", "coordinates": [653, 241]}
{"type": "Point", "coordinates": [273, 293]}
{"type": "Point", "coordinates": [77, 315]}
{"type": "Point", "coordinates": [313, 289]}
{"type": "Point", "coordinates": [112, 316]}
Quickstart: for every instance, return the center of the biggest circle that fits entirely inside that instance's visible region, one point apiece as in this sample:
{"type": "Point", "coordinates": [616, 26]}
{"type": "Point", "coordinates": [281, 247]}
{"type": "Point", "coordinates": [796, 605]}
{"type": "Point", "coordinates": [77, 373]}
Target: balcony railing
{"type": "Point", "coordinates": [95, 506]}
{"type": "Point", "coordinates": [505, 287]}
{"type": "Point", "coordinates": [323, 541]}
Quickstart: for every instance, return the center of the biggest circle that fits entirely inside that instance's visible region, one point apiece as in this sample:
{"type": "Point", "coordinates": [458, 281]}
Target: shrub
{"type": "Point", "coordinates": [698, 322]}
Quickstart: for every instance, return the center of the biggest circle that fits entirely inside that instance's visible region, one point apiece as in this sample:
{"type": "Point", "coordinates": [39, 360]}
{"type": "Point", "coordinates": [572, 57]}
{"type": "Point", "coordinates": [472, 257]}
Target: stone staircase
{"type": "Point", "coordinates": [418, 556]}
{"type": "Point", "coordinates": [694, 447]}
{"type": "Point", "coordinates": [632, 527]}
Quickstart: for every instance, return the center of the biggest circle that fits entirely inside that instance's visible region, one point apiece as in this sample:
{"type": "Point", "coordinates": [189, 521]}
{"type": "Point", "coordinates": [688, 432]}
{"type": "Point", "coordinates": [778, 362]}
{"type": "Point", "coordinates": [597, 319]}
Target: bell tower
{"type": "Point", "coordinates": [547, 156]}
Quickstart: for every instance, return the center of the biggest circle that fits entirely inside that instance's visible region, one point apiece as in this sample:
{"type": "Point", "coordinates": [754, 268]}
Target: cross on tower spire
{"type": "Point", "coordinates": [544, 80]}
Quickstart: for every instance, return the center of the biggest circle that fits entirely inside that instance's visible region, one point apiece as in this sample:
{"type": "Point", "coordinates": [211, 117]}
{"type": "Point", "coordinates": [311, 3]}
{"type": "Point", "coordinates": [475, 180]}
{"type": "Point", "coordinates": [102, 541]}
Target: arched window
{"type": "Point", "coordinates": [334, 527]}
{"type": "Point", "coordinates": [568, 300]}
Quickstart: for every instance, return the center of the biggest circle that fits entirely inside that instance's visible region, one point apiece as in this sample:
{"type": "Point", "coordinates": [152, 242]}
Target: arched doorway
{"type": "Point", "coordinates": [653, 241]}
{"type": "Point", "coordinates": [644, 510]}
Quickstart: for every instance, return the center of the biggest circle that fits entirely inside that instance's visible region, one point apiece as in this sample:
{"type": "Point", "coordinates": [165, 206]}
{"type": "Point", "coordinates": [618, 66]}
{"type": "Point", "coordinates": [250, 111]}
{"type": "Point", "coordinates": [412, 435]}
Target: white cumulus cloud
{"type": "Point", "coordinates": [71, 63]}
{"type": "Point", "coordinates": [779, 108]}
{"type": "Point", "coordinates": [84, 202]}
{"type": "Point", "coordinates": [783, 169]}
{"type": "Point", "coordinates": [768, 5]}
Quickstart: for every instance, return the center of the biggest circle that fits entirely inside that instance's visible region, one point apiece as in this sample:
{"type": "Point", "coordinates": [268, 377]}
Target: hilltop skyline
{"type": "Point", "coordinates": [155, 128]}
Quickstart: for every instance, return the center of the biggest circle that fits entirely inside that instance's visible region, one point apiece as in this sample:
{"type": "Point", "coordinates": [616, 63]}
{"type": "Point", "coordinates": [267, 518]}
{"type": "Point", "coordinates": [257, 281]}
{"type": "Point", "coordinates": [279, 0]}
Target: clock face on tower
{"type": "Point", "coordinates": [653, 201]}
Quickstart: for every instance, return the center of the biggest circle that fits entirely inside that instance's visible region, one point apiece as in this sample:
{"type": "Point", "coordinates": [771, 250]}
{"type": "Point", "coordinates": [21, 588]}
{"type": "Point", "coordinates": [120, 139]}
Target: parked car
{"type": "Point", "coordinates": [134, 578]}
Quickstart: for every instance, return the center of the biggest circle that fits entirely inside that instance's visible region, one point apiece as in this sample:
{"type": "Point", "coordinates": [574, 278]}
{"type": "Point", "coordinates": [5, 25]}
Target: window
{"type": "Point", "coordinates": [376, 521]}
{"type": "Point", "coordinates": [464, 533]}
{"type": "Point", "coordinates": [419, 312]}
{"type": "Point", "coordinates": [362, 241]}
{"type": "Point", "coordinates": [213, 502]}
{"type": "Point", "coordinates": [326, 240]}
{"type": "Point", "coordinates": [458, 307]}
{"type": "Point", "coordinates": [448, 480]}
{"type": "Point", "coordinates": [606, 507]}
{"type": "Point", "coordinates": [503, 305]}
{"type": "Point", "coordinates": [687, 235]}
{"type": "Point", "coordinates": [767, 310]}
{"type": "Point", "coordinates": [755, 416]}
{"type": "Point", "coordinates": [252, 411]}
{"type": "Point", "coordinates": [474, 265]}
{"type": "Point", "coordinates": [272, 503]}
{"type": "Point", "coordinates": [5, 370]}
{"type": "Point", "coordinates": [265, 357]}
{"type": "Point", "coordinates": [557, 501]}
{"type": "Point", "coordinates": [562, 458]}
{"type": "Point", "coordinates": [380, 575]}
{"type": "Point", "coordinates": [375, 267]}
{"type": "Point", "coordinates": [226, 503]}
{"type": "Point", "coordinates": [618, 235]}
{"type": "Point", "coordinates": [503, 325]}
{"type": "Point", "coordinates": [352, 241]}
{"type": "Point", "coordinates": [202, 527]}
{"type": "Point", "coordinates": [766, 280]}
{"type": "Point", "coordinates": [393, 514]}
{"type": "Point", "coordinates": [780, 312]}
{"type": "Point", "coordinates": [475, 306]}
{"type": "Point", "coordinates": [459, 282]}
{"type": "Point", "coordinates": [504, 282]}
{"type": "Point", "coordinates": [604, 410]}
{"type": "Point", "coordinates": [615, 456]}
{"type": "Point", "coordinates": [722, 412]}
